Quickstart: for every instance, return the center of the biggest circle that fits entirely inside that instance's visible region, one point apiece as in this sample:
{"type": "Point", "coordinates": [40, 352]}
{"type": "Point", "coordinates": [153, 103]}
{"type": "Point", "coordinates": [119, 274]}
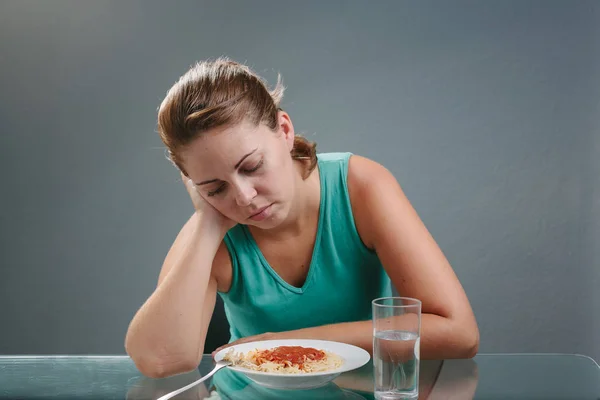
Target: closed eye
{"type": "Point", "coordinates": [221, 187]}
{"type": "Point", "coordinates": [217, 190]}
{"type": "Point", "coordinates": [253, 169]}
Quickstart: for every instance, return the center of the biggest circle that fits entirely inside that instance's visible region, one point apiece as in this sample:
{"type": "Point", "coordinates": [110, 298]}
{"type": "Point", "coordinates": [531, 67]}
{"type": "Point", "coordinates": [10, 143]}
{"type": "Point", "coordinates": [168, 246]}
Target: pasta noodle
{"type": "Point", "coordinates": [286, 360]}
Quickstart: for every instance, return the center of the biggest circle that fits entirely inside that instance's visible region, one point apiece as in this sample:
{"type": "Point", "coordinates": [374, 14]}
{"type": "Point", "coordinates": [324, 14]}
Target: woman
{"type": "Point", "coordinates": [296, 243]}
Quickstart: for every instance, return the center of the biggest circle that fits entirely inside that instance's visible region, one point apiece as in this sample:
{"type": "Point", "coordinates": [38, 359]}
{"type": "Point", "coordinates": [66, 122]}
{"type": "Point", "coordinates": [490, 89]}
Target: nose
{"type": "Point", "coordinates": [244, 195]}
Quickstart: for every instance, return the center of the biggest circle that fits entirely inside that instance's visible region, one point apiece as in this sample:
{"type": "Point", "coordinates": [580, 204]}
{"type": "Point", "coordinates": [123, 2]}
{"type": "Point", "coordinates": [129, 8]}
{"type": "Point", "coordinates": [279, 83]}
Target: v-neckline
{"type": "Point", "coordinates": [311, 265]}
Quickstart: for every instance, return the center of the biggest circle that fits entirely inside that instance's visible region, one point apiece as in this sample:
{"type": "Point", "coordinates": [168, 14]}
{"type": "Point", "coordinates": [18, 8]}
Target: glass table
{"type": "Point", "coordinates": [487, 376]}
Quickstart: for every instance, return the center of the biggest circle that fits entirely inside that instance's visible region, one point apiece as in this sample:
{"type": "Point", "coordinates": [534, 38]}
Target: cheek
{"type": "Point", "coordinates": [272, 183]}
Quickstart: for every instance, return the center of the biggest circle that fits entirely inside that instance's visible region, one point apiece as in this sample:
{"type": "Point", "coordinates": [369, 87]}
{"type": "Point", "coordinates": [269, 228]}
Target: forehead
{"type": "Point", "coordinates": [220, 149]}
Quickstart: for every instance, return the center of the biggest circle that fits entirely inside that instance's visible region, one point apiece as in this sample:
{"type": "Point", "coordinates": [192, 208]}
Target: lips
{"type": "Point", "coordinates": [259, 211]}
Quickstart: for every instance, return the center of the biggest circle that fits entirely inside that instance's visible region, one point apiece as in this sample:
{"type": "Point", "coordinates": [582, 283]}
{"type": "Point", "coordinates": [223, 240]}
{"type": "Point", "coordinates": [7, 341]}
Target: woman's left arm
{"type": "Point", "coordinates": [387, 223]}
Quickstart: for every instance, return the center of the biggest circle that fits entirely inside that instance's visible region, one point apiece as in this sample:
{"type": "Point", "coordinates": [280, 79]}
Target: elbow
{"type": "Point", "coordinates": [470, 344]}
{"type": "Point", "coordinates": [472, 349]}
{"type": "Point", "coordinates": [157, 369]}
{"type": "Point", "coordinates": [463, 342]}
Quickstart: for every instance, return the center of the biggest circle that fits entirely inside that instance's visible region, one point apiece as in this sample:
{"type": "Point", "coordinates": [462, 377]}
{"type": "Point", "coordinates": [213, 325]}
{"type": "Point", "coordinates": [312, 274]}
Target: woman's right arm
{"type": "Point", "coordinates": [167, 334]}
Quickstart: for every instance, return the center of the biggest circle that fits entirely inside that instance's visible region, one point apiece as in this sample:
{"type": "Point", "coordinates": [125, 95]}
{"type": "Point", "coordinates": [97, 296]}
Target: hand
{"type": "Point", "coordinates": [247, 339]}
{"type": "Point", "coordinates": [208, 212]}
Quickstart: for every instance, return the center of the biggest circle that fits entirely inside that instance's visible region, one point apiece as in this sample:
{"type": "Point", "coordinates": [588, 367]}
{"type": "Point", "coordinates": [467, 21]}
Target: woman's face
{"type": "Point", "coordinates": [245, 171]}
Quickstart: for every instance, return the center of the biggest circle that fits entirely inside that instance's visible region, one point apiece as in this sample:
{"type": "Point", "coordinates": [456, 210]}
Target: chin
{"type": "Point", "coordinates": [268, 223]}
{"type": "Point", "coordinates": [273, 221]}
{"type": "Point", "coordinates": [263, 225]}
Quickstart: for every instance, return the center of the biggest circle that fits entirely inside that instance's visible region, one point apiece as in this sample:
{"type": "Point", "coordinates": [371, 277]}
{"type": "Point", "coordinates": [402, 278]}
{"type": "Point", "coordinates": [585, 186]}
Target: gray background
{"type": "Point", "coordinates": [486, 112]}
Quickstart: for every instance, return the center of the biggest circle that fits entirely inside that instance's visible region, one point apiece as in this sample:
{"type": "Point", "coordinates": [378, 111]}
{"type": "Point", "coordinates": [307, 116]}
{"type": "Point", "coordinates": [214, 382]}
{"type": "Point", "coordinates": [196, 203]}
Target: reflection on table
{"type": "Point", "coordinates": [502, 376]}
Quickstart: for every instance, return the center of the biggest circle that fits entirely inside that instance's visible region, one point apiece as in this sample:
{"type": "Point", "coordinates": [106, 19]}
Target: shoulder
{"type": "Point", "coordinates": [364, 172]}
{"type": "Point", "coordinates": [371, 188]}
{"type": "Point", "coordinates": [368, 179]}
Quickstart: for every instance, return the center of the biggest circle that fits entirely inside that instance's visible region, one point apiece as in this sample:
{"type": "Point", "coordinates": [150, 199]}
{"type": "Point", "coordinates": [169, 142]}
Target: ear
{"type": "Point", "coordinates": [286, 128]}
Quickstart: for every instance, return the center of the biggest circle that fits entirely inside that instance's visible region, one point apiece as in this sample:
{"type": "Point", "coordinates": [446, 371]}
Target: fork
{"type": "Point", "coordinates": [220, 364]}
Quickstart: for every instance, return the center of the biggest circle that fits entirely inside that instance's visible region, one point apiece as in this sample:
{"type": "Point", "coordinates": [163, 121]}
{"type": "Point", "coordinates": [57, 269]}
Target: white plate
{"type": "Point", "coordinates": [353, 357]}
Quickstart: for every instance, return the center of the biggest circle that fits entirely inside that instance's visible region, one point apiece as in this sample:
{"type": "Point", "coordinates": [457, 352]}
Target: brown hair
{"type": "Point", "coordinates": [218, 93]}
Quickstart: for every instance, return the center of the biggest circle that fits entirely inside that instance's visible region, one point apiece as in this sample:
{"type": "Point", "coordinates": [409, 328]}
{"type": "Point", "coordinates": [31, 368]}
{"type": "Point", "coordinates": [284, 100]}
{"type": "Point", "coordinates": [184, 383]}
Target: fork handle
{"type": "Point", "coordinates": [183, 389]}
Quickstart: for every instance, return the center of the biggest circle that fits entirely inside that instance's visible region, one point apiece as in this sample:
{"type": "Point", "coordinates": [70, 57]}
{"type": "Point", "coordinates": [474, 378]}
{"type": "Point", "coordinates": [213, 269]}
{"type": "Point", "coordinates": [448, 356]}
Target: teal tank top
{"type": "Point", "coordinates": [343, 278]}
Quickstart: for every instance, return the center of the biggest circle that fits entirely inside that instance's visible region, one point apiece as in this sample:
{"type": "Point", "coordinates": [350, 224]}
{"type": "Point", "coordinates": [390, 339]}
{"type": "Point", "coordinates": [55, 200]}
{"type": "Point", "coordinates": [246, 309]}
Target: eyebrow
{"type": "Point", "coordinates": [236, 167]}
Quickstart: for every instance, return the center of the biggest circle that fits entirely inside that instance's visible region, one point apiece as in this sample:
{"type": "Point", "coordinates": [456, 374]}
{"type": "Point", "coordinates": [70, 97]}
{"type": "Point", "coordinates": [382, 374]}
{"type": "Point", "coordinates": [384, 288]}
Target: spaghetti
{"type": "Point", "coordinates": [286, 360]}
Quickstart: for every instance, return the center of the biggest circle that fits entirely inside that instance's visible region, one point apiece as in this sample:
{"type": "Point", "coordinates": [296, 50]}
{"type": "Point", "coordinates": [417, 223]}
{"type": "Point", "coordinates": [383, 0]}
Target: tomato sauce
{"type": "Point", "coordinates": [290, 355]}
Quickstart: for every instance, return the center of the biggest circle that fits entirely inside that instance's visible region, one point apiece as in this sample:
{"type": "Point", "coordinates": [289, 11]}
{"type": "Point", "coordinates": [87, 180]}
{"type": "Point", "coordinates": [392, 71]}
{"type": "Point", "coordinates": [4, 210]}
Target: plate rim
{"type": "Point", "coordinates": [359, 350]}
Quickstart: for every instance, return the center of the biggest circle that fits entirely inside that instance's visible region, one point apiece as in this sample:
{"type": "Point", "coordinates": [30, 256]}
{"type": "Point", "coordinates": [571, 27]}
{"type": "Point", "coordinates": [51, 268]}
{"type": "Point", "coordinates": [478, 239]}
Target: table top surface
{"type": "Point", "coordinates": [498, 376]}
